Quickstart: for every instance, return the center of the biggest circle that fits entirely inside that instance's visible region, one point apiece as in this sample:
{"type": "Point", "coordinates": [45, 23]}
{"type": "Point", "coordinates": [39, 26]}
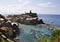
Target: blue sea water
{"type": "Point", "coordinates": [37, 32]}
{"type": "Point", "coordinates": [50, 19]}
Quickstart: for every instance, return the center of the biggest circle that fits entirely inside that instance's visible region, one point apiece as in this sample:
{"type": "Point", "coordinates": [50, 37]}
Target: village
{"type": "Point", "coordinates": [9, 25]}
{"type": "Point", "coordinates": [27, 18]}
{"type": "Point", "coordinates": [11, 28]}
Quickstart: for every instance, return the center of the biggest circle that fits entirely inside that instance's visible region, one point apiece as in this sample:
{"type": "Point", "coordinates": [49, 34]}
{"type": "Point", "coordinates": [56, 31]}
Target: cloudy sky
{"type": "Point", "coordinates": [38, 6]}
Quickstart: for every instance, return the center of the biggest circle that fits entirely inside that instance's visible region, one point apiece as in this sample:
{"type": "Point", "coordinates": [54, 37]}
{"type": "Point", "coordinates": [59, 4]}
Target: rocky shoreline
{"type": "Point", "coordinates": [19, 21]}
{"type": "Point", "coordinates": [49, 26]}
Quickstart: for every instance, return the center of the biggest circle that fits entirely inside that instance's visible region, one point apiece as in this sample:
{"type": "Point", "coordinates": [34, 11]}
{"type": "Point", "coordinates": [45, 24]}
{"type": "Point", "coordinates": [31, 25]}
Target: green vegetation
{"type": "Point", "coordinates": [1, 16]}
{"type": "Point", "coordinates": [55, 37]}
{"type": "Point", "coordinates": [42, 39]}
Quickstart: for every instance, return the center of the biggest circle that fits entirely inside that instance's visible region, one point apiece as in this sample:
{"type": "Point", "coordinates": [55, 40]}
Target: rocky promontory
{"type": "Point", "coordinates": [27, 18]}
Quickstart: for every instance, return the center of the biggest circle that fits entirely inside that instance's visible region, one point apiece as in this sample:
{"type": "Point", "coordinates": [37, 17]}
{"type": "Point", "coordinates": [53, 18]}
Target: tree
{"type": "Point", "coordinates": [1, 16]}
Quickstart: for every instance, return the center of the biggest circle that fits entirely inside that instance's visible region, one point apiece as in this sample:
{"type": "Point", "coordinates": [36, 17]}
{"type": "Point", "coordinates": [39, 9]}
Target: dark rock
{"type": "Point", "coordinates": [40, 21]}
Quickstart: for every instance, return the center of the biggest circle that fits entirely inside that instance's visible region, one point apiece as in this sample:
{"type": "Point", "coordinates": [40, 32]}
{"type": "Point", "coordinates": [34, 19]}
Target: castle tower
{"type": "Point", "coordinates": [30, 11]}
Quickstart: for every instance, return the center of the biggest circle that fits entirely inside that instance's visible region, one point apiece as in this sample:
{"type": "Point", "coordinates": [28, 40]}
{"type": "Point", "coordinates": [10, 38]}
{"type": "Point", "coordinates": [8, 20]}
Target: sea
{"type": "Point", "coordinates": [34, 32]}
{"type": "Point", "coordinates": [50, 19]}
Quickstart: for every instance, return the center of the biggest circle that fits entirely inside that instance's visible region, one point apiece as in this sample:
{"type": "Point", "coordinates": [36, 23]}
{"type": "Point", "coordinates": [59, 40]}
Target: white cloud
{"type": "Point", "coordinates": [21, 8]}
{"type": "Point", "coordinates": [18, 9]}
{"type": "Point", "coordinates": [10, 9]}
{"type": "Point", "coordinates": [24, 2]}
{"type": "Point", "coordinates": [46, 4]}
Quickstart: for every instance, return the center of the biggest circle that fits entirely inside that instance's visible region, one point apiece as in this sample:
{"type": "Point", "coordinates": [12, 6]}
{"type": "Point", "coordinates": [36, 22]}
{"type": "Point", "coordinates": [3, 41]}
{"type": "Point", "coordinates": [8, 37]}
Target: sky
{"type": "Point", "coordinates": [37, 6]}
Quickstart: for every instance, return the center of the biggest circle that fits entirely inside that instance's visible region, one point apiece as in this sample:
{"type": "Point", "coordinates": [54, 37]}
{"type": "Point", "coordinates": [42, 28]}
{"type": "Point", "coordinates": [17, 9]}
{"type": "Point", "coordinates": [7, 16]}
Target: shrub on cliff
{"type": "Point", "coordinates": [1, 16]}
